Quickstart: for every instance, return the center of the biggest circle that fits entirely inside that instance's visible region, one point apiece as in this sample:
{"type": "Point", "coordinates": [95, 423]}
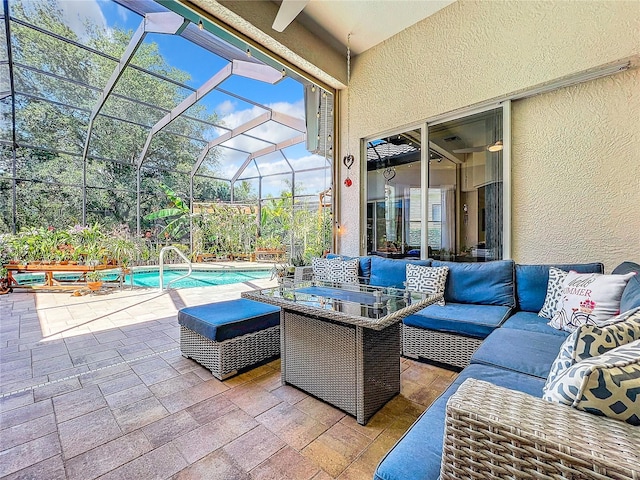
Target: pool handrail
{"type": "Point", "coordinates": [161, 268]}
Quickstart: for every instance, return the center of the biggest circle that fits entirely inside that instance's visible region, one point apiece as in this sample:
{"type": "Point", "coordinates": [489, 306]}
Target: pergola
{"type": "Point", "coordinates": [249, 150]}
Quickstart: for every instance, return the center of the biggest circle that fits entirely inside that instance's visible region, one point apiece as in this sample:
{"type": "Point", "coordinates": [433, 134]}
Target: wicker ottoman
{"type": "Point", "coordinates": [226, 337]}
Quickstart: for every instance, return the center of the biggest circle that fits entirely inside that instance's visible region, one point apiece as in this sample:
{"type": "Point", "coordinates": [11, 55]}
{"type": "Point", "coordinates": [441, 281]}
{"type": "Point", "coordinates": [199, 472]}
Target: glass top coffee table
{"type": "Point", "coordinates": [341, 342]}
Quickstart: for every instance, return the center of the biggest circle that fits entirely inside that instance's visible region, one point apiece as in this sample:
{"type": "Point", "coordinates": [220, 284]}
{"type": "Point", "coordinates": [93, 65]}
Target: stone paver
{"type": "Point", "coordinates": [95, 387]}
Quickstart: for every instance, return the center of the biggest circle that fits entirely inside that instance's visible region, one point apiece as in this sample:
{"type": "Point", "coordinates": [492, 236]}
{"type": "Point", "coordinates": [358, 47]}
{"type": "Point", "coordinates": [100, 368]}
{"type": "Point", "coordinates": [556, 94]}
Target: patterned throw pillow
{"type": "Point", "coordinates": [590, 298]}
{"type": "Point", "coordinates": [319, 266]}
{"type": "Point", "coordinates": [553, 300]}
{"type": "Point", "coordinates": [592, 340]}
{"type": "Point", "coordinates": [423, 279]}
{"type": "Point", "coordinates": [342, 271]}
{"type": "Point", "coordinates": [606, 385]}
{"type": "Point", "coordinates": [335, 270]}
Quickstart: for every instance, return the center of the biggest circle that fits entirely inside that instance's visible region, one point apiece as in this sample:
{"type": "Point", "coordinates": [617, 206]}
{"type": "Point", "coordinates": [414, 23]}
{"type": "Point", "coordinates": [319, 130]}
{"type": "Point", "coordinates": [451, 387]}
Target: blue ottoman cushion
{"type": "Point", "coordinates": [531, 353]}
{"type": "Point", "coordinates": [224, 320]}
{"type": "Point", "coordinates": [418, 453]}
{"type": "Point", "coordinates": [460, 318]}
{"type": "Point", "coordinates": [532, 322]}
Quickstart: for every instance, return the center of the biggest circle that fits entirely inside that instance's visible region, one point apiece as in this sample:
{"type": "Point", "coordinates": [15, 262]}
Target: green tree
{"type": "Point", "coordinates": [50, 169]}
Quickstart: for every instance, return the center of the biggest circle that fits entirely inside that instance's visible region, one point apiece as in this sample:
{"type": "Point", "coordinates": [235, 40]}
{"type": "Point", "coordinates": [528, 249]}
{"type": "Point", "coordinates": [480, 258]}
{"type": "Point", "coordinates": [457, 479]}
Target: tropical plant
{"type": "Point", "coordinates": [177, 215]}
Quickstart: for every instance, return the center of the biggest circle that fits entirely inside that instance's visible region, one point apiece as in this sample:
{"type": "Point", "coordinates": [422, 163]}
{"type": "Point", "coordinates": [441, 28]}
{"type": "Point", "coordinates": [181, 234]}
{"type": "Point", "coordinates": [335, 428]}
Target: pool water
{"type": "Point", "coordinates": [151, 278]}
{"type": "Point", "coordinates": [198, 278]}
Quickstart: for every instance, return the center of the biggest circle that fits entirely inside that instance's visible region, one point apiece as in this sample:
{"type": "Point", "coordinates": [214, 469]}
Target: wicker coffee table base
{"type": "Point", "coordinates": [224, 359]}
{"type": "Point", "coordinates": [356, 369]}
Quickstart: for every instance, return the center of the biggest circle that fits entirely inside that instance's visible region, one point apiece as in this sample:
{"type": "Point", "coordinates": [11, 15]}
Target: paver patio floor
{"type": "Point", "coordinates": [95, 387]}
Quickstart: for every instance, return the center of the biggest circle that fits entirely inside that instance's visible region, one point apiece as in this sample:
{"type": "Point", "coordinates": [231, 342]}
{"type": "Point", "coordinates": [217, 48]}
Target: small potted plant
{"type": "Point", "coordinates": [94, 280]}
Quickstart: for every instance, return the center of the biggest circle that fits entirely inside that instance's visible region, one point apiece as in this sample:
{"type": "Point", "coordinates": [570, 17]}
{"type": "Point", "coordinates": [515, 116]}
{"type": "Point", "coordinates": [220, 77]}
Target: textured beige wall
{"type": "Point", "coordinates": [470, 52]}
{"type": "Point", "coordinates": [576, 173]}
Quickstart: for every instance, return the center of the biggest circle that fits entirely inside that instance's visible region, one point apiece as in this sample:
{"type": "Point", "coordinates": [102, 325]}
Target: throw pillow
{"type": "Point", "coordinates": [591, 340]}
{"type": "Point", "coordinates": [553, 300]}
{"type": "Point", "coordinates": [319, 266]}
{"type": "Point", "coordinates": [589, 298]}
{"type": "Point", "coordinates": [606, 385]}
{"type": "Point", "coordinates": [429, 280]}
{"type": "Point", "coordinates": [343, 271]}
{"type": "Point", "coordinates": [336, 270]}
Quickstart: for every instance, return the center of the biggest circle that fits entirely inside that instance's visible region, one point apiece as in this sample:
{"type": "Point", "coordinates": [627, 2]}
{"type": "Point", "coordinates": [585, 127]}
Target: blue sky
{"type": "Point", "coordinates": [285, 97]}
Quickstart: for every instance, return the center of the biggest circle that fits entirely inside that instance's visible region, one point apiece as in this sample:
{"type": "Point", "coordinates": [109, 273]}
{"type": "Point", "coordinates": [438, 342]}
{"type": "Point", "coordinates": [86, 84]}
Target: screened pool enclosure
{"type": "Point", "coordinates": [114, 110]}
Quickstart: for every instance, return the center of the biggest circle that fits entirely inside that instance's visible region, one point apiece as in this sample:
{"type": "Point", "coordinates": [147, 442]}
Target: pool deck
{"type": "Point", "coordinates": [95, 386]}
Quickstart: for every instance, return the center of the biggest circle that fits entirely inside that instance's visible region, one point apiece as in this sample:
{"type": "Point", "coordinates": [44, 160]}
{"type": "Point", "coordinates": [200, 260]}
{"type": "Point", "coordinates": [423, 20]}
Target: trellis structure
{"type": "Point", "coordinates": [252, 151]}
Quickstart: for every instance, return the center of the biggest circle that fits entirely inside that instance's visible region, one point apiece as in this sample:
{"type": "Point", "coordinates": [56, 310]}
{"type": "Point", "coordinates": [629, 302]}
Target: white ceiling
{"type": "Point", "coordinates": [369, 21]}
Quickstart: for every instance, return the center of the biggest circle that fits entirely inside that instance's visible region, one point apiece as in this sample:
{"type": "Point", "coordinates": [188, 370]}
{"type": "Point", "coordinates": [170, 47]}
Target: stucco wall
{"type": "Point", "coordinates": [577, 202]}
{"type": "Point", "coordinates": [576, 173]}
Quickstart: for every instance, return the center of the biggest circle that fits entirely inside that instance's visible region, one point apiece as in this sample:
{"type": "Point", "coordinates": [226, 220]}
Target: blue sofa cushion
{"type": "Point", "coordinates": [532, 322]}
{"type": "Point", "coordinates": [531, 353]}
{"type": "Point", "coordinates": [364, 269]}
{"type": "Point", "coordinates": [486, 283]}
{"type": "Point", "coordinates": [631, 295]}
{"type": "Point", "coordinates": [388, 272]}
{"type": "Point", "coordinates": [531, 282]}
{"type": "Point", "coordinates": [233, 318]}
{"type": "Point", "coordinates": [460, 318]}
{"type": "Point", "coordinates": [418, 453]}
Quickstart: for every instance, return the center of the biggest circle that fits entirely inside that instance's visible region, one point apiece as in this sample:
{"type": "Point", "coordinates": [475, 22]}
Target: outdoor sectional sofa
{"type": "Point", "coordinates": [492, 422]}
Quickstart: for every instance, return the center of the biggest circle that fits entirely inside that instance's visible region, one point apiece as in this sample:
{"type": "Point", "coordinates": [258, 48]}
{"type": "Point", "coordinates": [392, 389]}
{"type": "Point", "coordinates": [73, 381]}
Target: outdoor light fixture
{"type": "Point", "coordinates": [496, 147]}
{"type": "Point", "coordinates": [201, 25]}
{"type": "Point", "coordinates": [248, 52]}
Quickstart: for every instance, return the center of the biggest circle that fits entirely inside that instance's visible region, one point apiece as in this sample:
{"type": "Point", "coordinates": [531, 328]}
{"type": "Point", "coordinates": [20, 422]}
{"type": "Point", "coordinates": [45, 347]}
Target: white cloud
{"type": "Point", "coordinates": [225, 108]}
{"type": "Point", "coordinates": [78, 13]}
{"type": "Point", "coordinates": [123, 13]}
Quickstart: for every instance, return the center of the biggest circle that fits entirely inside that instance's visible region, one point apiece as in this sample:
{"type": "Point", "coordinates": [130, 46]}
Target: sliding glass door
{"type": "Point", "coordinates": [468, 183]}
{"type": "Point", "coordinates": [461, 215]}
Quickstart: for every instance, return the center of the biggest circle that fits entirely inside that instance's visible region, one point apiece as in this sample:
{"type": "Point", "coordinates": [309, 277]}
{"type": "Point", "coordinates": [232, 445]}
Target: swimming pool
{"type": "Point", "coordinates": [198, 278]}
{"type": "Point", "coordinates": [150, 277]}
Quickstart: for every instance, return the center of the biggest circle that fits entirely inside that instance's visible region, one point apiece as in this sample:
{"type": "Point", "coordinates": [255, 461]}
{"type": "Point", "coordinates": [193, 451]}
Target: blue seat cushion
{"type": "Point", "coordinates": [389, 272]}
{"type": "Point", "coordinates": [532, 280]}
{"type": "Point", "coordinates": [460, 318]}
{"type": "Point", "coordinates": [364, 267]}
{"type": "Point", "coordinates": [233, 318]}
{"type": "Point", "coordinates": [631, 294]}
{"type": "Point", "coordinates": [485, 283]}
{"type": "Point", "coordinates": [532, 322]}
{"type": "Point", "coordinates": [531, 353]}
{"type": "Point", "coordinates": [418, 453]}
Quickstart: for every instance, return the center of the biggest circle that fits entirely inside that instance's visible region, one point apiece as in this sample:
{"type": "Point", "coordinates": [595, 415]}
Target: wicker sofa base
{"type": "Point", "coordinates": [493, 432]}
{"type": "Point", "coordinates": [439, 347]}
{"type": "Point", "coordinates": [226, 358]}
